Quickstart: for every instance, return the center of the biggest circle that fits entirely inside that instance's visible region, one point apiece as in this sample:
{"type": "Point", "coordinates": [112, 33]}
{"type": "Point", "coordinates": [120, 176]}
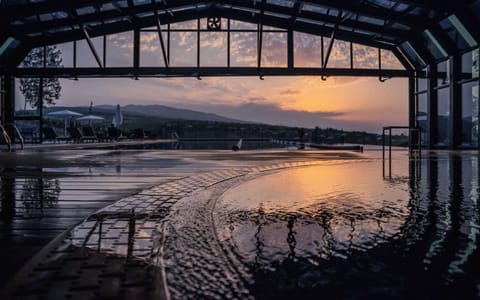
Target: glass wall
{"type": "Point", "coordinates": [470, 114]}
{"type": "Point", "coordinates": [422, 116]}
{"type": "Point", "coordinates": [422, 81]}
{"type": "Point", "coordinates": [470, 105]}
{"type": "Point", "coordinates": [443, 116]}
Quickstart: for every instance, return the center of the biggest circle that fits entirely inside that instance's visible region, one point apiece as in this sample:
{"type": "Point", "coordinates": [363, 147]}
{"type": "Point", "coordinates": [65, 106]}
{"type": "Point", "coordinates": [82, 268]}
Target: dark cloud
{"type": "Point", "coordinates": [255, 98]}
{"type": "Point", "coordinates": [289, 92]}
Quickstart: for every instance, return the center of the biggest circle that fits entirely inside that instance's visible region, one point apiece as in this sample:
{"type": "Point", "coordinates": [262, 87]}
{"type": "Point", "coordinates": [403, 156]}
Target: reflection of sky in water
{"type": "Point", "coordinates": [317, 211]}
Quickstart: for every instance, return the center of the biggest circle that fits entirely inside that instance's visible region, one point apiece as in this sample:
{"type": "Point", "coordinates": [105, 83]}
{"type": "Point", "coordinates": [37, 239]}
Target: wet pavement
{"type": "Point", "coordinates": [268, 225]}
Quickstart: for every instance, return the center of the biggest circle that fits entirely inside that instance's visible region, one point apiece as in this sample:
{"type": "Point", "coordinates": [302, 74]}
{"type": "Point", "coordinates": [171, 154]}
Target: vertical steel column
{"type": "Point", "coordinates": [455, 124]}
{"type": "Point", "coordinates": [432, 104]}
{"type": "Point", "coordinates": [259, 44]}
{"type": "Point", "coordinates": [8, 105]}
{"type": "Point", "coordinates": [104, 50]}
{"type": "Point", "coordinates": [75, 54]}
{"type": "Point", "coordinates": [40, 97]}
{"type": "Point", "coordinates": [198, 44]}
{"type": "Point", "coordinates": [290, 49]}
{"type": "Point", "coordinates": [136, 49]}
{"type": "Point", "coordinates": [412, 103]}
{"type": "Point", "coordinates": [351, 55]}
{"type": "Point", "coordinates": [168, 42]}
{"type": "Point", "coordinates": [2, 97]}
{"type": "Point", "coordinates": [228, 43]}
{"type": "Point", "coordinates": [321, 50]}
{"type": "Point", "coordinates": [412, 111]}
{"type": "Point", "coordinates": [390, 151]}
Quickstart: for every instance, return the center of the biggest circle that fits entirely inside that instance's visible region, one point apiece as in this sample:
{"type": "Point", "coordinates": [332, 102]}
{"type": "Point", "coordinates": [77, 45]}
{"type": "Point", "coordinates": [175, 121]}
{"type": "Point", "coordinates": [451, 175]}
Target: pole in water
{"type": "Point", "coordinates": [238, 146]}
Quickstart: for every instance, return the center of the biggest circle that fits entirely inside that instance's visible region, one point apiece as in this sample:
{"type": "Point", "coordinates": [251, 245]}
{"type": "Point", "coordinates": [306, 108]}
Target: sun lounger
{"type": "Point", "coordinates": [79, 137]}
{"type": "Point", "coordinates": [49, 134]}
{"type": "Point", "coordinates": [89, 134]}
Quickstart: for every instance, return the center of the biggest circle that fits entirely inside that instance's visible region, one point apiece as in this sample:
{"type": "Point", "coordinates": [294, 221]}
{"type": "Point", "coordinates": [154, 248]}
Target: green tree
{"type": "Point", "coordinates": [30, 87]}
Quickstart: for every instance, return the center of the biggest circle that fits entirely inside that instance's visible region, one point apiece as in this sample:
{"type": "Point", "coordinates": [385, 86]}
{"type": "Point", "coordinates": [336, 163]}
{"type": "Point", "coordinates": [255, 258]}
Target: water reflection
{"type": "Point", "coordinates": [38, 194]}
{"type": "Point", "coordinates": [329, 230]}
{"type": "Point", "coordinates": [7, 195]}
{"type": "Point", "coordinates": [29, 196]}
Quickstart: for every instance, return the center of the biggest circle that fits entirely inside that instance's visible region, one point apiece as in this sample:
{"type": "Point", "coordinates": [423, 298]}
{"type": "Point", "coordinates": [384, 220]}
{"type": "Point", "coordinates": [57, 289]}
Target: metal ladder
{"type": "Point", "coordinates": [9, 140]}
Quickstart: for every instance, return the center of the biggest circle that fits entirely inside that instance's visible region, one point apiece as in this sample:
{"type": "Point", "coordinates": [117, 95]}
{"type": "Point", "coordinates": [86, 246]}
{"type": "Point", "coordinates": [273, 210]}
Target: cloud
{"type": "Point", "coordinates": [289, 91]}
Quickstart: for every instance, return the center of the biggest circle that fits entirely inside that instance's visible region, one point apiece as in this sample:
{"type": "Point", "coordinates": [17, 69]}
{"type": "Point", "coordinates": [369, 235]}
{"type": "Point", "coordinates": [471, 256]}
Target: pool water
{"type": "Point", "coordinates": [342, 230]}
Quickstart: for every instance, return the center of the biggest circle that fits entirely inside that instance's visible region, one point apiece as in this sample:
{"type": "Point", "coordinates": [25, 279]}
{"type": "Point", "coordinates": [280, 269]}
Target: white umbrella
{"type": "Point", "coordinates": [90, 118]}
{"type": "Point", "coordinates": [117, 120]}
{"type": "Point", "coordinates": [63, 113]}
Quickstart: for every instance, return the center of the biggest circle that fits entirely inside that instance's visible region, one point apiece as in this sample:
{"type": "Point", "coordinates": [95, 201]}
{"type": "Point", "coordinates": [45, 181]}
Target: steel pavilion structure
{"type": "Point", "coordinates": [436, 42]}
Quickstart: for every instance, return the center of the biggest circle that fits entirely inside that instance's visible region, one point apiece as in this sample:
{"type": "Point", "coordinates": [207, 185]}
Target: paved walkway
{"type": "Point", "coordinates": [109, 255]}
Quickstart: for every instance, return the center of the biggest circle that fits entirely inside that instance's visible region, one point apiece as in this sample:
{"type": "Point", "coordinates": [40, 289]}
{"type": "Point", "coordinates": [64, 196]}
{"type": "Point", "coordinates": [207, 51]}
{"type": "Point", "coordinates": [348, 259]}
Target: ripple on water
{"type": "Point", "coordinates": [315, 212]}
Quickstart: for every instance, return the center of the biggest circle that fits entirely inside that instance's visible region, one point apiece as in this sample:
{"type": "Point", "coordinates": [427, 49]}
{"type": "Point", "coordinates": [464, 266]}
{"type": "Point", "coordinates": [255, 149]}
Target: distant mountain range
{"type": "Point", "coordinates": [156, 110]}
{"type": "Point", "coordinates": [167, 112]}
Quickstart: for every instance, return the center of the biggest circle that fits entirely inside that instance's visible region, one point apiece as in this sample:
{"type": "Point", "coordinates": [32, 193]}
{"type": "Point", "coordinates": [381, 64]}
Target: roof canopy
{"type": "Point", "coordinates": [420, 32]}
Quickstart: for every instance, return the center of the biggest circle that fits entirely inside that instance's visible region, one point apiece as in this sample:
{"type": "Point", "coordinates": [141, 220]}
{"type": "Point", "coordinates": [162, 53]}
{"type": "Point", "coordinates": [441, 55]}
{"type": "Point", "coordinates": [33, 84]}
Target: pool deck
{"type": "Point", "coordinates": [109, 212]}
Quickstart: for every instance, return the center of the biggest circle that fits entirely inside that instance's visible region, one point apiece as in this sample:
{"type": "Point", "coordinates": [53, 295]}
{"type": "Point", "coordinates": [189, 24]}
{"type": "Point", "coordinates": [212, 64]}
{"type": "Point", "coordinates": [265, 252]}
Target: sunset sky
{"type": "Point", "coordinates": [340, 102]}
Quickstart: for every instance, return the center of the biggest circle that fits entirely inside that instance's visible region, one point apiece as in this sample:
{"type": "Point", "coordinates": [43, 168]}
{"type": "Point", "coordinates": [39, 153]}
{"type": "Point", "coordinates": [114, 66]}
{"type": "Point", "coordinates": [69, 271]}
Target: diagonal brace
{"type": "Point", "coordinates": [160, 36]}
{"type": "Point", "coordinates": [92, 46]}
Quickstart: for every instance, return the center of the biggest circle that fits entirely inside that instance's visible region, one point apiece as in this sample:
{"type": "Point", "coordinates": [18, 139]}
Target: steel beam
{"type": "Point", "coordinates": [194, 72]}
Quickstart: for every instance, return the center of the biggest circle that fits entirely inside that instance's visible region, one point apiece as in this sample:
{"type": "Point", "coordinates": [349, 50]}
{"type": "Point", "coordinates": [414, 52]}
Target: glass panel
{"type": "Point", "coordinates": [422, 115]}
{"type": "Point", "coordinates": [239, 25]}
{"type": "Point", "coordinates": [462, 30]}
{"type": "Point", "coordinates": [192, 24]}
{"type": "Point", "coordinates": [462, 40]}
{"type": "Point", "coordinates": [150, 50]}
{"type": "Point", "coordinates": [390, 61]}
{"type": "Point", "coordinates": [470, 65]}
{"type": "Point", "coordinates": [243, 49]}
{"type": "Point", "coordinates": [34, 58]}
{"type": "Point", "coordinates": [422, 82]}
{"type": "Point", "coordinates": [183, 47]}
{"type": "Point", "coordinates": [443, 116]}
{"type": "Point", "coordinates": [433, 46]}
{"type": "Point", "coordinates": [213, 49]}
{"type": "Point", "coordinates": [274, 49]}
{"type": "Point", "coordinates": [85, 57]}
{"type": "Point", "coordinates": [120, 49]}
{"type": "Point", "coordinates": [365, 57]}
{"type": "Point", "coordinates": [8, 46]}
{"type": "Point", "coordinates": [470, 113]}
{"type": "Point", "coordinates": [340, 55]}
{"type": "Point", "coordinates": [308, 50]}
{"type": "Point", "coordinates": [66, 54]}
{"type": "Point", "coordinates": [443, 73]}
{"type": "Point", "coordinates": [285, 3]}
{"type": "Point", "coordinates": [26, 100]}
{"type": "Point", "coordinates": [412, 54]}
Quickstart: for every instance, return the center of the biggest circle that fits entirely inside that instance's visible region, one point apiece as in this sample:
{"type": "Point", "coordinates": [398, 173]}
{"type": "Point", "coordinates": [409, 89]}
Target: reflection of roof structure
{"type": "Point", "coordinates": [418, 32]}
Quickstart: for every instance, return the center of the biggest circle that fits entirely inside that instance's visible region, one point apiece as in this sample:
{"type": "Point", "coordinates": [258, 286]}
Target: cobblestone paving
{"type": "Point", "coordinates": [109, 255]}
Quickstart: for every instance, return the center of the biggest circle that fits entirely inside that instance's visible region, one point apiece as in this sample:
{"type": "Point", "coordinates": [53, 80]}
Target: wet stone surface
{"type": "Point", "coordinates": [127, 249]}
